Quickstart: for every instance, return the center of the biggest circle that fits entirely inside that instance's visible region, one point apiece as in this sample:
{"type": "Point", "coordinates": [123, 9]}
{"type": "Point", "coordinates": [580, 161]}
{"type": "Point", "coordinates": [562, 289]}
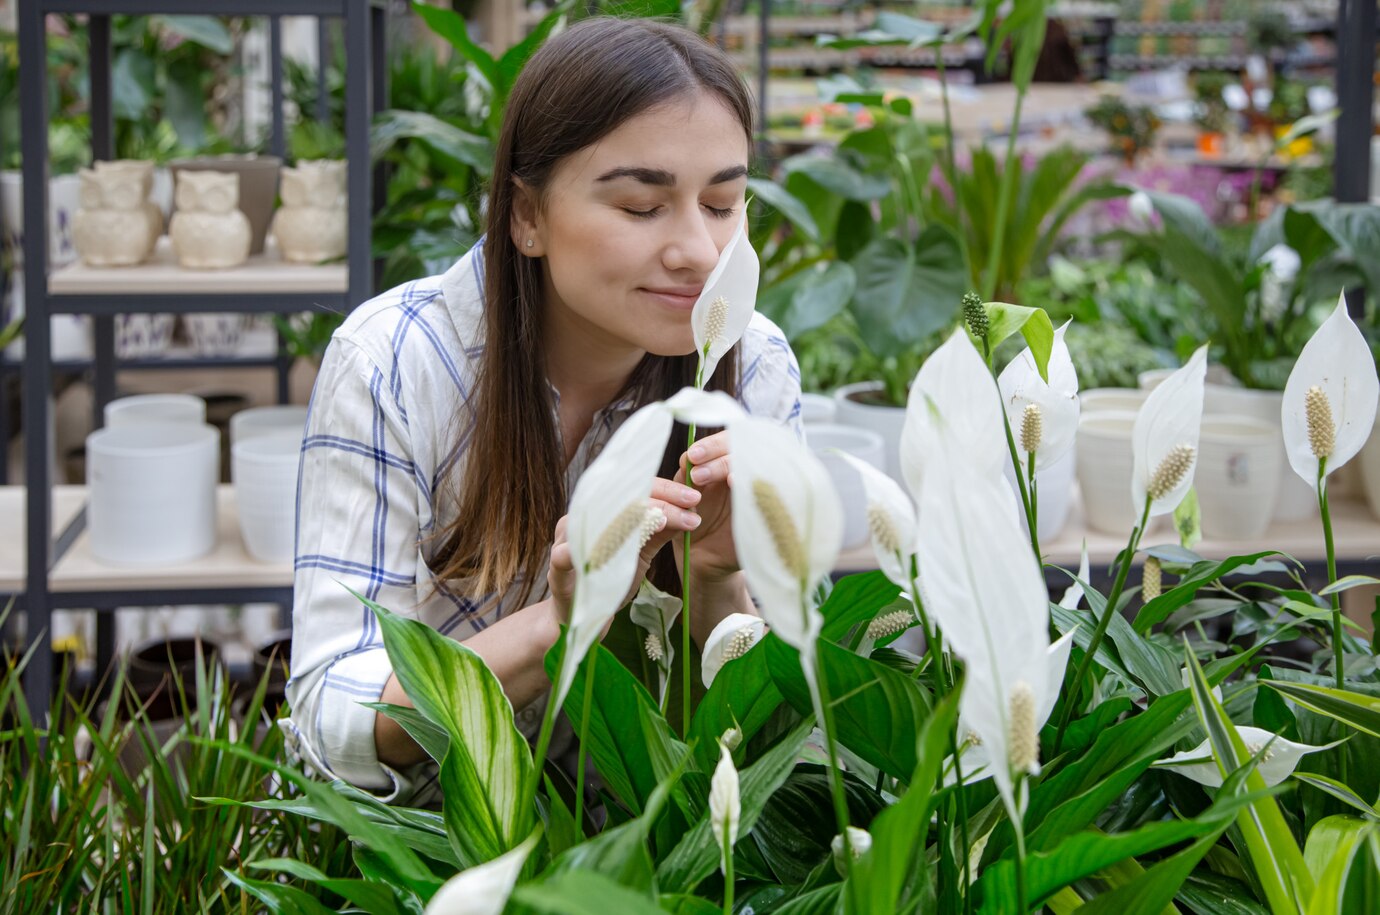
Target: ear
{"type": "Point", "coordinates": [525, 224]}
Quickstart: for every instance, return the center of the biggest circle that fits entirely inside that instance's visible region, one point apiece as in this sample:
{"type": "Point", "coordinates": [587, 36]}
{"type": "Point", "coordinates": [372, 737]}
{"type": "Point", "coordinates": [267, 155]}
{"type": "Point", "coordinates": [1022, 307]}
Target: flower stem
{"type": "Point", "coordinates": [1331, 575]}
{"type": "Point", "coordinates": [826, 721]}
{"type": "Point", "coordinates": [1020, 474]}
{"type": "Point", "coordinates": [932, 646]}
{"type": "Point", "coordinates": [962, 818]}
{"type": "Point", "coordinates": [1101, 631]}
{"type": "Point", "coordinates": [1010, 167]}
{"type": "Point", "coordinates": [728, 872]}
{"type": "Point", "coordinates": [584, 741]}
{"type": "Point", "coordinates": [1034, 517]}
{"type": "Point", "coordinates": [548, 721]}
{"type": "Point", "coordinates": [685, 596]}
{"type": "Point", "coordinates": [1018, 823]}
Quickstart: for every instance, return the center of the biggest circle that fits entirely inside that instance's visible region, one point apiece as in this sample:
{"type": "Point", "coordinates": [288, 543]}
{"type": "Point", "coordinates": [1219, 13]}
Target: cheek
{"type": "Point", "coordinates": [595, 256]}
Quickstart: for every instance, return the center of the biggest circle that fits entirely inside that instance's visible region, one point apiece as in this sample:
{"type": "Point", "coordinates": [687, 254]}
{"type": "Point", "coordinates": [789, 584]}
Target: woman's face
{"type": "Point", "coordinates": [633, 225]}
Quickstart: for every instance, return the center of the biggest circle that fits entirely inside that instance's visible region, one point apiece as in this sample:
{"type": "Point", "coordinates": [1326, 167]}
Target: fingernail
{"type": "Point", "coordinates": [699, 474]}
{"type": "Point", "coordinates": [689, 495]}
{"type": "Point", "coordinates": [697, 452]}
{"type": "Point", "coordinates": [692, 520]}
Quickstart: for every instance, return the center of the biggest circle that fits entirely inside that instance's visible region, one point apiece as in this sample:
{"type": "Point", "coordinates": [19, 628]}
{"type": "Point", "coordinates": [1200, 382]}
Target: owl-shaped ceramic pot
{"type": "Point", "coordinates": [208, 231]}
{"type": "Point", "coordinates": [310, 225]}
{"type": "Point", "coordinates": [142, 172]}
{"type": "Point", "coordinates": [113, 228]}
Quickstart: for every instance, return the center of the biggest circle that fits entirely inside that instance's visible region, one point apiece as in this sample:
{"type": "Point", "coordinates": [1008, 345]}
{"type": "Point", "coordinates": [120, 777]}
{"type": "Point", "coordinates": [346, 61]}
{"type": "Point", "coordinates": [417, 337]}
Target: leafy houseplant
{"type": "Point", "coordinates": [1131, 127]}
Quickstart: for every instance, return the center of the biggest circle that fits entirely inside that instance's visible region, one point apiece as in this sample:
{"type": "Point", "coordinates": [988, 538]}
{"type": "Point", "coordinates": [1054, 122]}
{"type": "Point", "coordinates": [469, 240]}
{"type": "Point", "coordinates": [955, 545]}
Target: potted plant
{"type": "Point", "coordinates": [1211, 113]}
{"type": "Point", "coordinates": [1132, 127]}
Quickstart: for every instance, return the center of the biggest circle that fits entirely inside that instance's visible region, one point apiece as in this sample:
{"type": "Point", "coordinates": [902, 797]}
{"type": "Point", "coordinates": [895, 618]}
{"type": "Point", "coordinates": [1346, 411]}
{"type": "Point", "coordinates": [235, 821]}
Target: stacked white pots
{"type": "Point", "coordinates": [265, 449]}
{"type": "Point", "coordinates": [856, 408]}
{"type": "Point", "coordinates": [826, 439]}
{"type": "Point", "coordinates": [152, 475]}
{"type": "Point", "coordinates": [1238, 477]}
{"type": "Point", "coordinates": [1105, 464]}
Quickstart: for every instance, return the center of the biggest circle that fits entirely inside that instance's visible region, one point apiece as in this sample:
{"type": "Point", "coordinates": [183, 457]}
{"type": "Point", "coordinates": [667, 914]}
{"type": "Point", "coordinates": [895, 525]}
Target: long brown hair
{"type": "Point", "coordinates": [580, 86]}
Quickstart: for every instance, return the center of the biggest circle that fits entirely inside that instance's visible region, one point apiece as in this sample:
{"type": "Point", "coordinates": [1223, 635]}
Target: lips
{"type": "Point", "coordinates": [675, 296]}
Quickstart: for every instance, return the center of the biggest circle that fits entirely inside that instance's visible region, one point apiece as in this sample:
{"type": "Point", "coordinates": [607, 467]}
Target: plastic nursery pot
{"type": "Point", "coordinates": [1103, 400]}
{"type": "Point", "coordinates": [863, 444]}
{"type": "Point", "coordinates": [152, 666]}
{"type": "Point", "coordinates": [860, 405]}
{"type": "Point", "coordinates": [271, 660]}
{"type": "Point", "coordinates": [1238, 476]}
{"type": "Point", "coordinates": [161, 408]}
{"type": "Point", "coordinates": [1211, 144]}
{"type": "Point", "coordinates": [1296, 500]}
{"type": "Point", "coordinates": [1105, 463]}
{"type": "Point", "coordinates": [817, 408]}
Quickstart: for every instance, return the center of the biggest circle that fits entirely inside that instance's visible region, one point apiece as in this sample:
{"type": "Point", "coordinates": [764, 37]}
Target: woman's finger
{"type": "Point", "coordinates": [714, 471]}
{"type": "Point", "coordinates": [561, 560]}
{"type": "Point", "coordinates": [559, 536]}
{"type": "Point", "coordinates": [675, 493]}
{"type": "Point", "coordinates": [707, 449]}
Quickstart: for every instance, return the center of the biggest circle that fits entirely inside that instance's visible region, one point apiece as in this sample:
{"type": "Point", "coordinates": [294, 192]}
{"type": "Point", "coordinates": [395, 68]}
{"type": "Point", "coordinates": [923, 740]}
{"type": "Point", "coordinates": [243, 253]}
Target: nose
{"type": "Point", "coordinates": [691, 245]}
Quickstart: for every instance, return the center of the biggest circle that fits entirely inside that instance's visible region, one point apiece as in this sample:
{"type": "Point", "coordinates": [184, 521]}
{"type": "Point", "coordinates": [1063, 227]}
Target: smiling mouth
{"type": "Point", "coordinates": [674, 298]}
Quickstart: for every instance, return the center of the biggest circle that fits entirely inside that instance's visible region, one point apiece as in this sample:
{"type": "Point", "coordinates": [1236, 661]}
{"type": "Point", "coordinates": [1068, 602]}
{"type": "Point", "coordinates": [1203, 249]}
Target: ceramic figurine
{"type": "Point", "coordinates": [310, 225]}
{"type": "Point", "coordinates": [208, 230]}
{"type": "Point", "coordinates": [142, 172]}
{"type": "Point", "coordinates": [113, 228]}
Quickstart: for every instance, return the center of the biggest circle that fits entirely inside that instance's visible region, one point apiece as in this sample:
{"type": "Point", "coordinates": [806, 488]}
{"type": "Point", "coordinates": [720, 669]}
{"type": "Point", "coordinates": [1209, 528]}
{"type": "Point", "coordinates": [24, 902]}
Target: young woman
{"type": "Point", "coordinates": [453, 415]}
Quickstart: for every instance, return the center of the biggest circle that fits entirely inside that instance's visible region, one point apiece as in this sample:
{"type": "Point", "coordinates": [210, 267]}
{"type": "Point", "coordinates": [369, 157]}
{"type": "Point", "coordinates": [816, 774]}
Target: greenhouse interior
{"type": "Point", "coordinates": [949, 483]}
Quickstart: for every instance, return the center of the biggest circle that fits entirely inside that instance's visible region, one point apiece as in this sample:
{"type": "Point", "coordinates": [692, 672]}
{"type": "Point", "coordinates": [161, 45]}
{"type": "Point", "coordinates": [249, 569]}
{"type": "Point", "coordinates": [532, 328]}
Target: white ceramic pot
{"type": "Point", "coordinates": [1216, 374]}
{"type": "Point", "coordinates": [266, 420]}
{"type": "Point", "coordinates": [263, 469]}
{"type": "Point", "coordinates": [1100, 400]}
{"type": "Point", "coordinates": [142, 336]}
{"type": "Point", "coordinates": [817, 408]}
{"type": "Point", "coordinates": [1104, 466]}
{"type": "Point", "coordinates": [1238, 476]}
{"type": "Point", "coordinates": [152, 492]}
{"type": "Point", "coordinates": [214, 333]}
{"type": "Point", "coordinates": [863, 444]}
{"type": "Point", "coordinates": [180, 409]}
{"type": "Point", "coordinates": [1369, 460]}
{"type": "Point", "coordinates": [1055, 486]}
{"type": "Point", "coordinates": [1296, 500]}
{"type": "Point", "coordinates": [886, 421]}
{"type": "Point", "coordinates": [64, 198]}
{"type": "Point", "coordinates": [70, 337]}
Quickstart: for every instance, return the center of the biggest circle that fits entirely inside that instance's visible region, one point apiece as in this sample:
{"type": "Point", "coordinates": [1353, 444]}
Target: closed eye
{"type": "Point", "coordinates": [717, 212]}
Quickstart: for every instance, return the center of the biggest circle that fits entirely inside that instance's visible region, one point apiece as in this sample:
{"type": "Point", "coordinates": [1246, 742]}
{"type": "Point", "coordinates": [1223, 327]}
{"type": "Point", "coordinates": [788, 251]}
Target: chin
{"type": "Point", "coordinates": [670, 344]}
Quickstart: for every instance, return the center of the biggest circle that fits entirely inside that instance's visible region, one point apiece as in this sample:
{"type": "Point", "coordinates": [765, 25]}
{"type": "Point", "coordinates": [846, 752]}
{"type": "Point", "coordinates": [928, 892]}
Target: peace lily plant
{"type": "Point", "coordinates": [1036, 756]}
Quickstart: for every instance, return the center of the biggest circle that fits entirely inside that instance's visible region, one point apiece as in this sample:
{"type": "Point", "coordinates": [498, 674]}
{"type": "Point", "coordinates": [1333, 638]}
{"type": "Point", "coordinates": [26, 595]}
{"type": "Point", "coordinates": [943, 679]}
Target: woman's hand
{"type": "Point", "coordinates": [676, 501]}
{"type": "Point", "coordinates": [713, 557]}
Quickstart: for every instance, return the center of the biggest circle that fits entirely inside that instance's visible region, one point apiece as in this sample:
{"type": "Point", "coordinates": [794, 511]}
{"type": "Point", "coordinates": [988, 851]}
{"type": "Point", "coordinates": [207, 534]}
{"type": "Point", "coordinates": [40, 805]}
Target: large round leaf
{"type": "Point", "coordinates": [906, 295]}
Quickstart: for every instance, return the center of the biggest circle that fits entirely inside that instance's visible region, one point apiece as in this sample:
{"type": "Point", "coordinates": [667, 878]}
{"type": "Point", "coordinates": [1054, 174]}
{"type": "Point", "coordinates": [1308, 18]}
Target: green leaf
{"type": "Point", "coordinates": [207, 31]}
{"type": "Point", "coordinates": [821, 901]}
{"type": "Point", "coordinates": [279, 898]}
{"type": "Point", "coordinates": [1339, 791]}
{"type": "Point", "coordinates": [516, 57]}
{"type": "Point", "coordinates": [1347, 583]}
{"type": "Point", "coordinates": [1359, 711]}
{"type": "Point", "coordinates": [371, 896]}
{"type": "Point", "coordinates": [1188, 520]}
{"type": "Point", "coordinates": [450, 25]}
{"type": "Point", "coordinates": [697, 855]}
{"type": "Point", "coordinates": [1273, 853]}
{"type": "Point", "coordinates": [561, 832]}
{"type": "Point", "coordinates": [855, 600]}
{"type": "Point", "coordinates": [1331, 850]}
{"type": "Point", "coordinates": [838, 177]}
{"type": "Point", "coordinates": [742, 696]}
{"type": "Point", "coordinates": [430, 737]}
{"type": "Point", "coordinates": [1003, 320]}
{"type": "Point", "coordinates": [580, 893]}
{"type": "Point", "coordinates": [882, 875]}
{"type": "Point", "coordinates": [905, 295]}
{"type": "Point", "coordinates": [816, 296]}
{"type": "Point", "coordinates": [489, 763]}
{"type": "Point", "coordinates": [771, 194]}
{"type": "Point", "coordinates": [877, 711]}
{"type": "Point", "coordinates": [1154, 889]}
{"type": "Point", "coordinates": [133, 81]}
{"type": "Point", "coordinates": [1356, 227]}
{"type": "Point", "coordinates": [1158, 610]}
{"type": "Point", "coordinates": [1150, 664]}
{"type": "Point", "coordinates": [441, 137]}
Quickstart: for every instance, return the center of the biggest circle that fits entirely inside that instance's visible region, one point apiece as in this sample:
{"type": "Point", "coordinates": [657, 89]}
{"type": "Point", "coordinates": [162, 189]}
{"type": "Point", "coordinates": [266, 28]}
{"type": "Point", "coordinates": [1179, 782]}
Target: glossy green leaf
{"type": "Point", "coordinates": [1341, 792]}
{"type": "Point", "coordinates": [371, 896]}
{"type": "Point", "coordinates": [906, 294]}
{"type": "Point", "coordinates": [580, 892]}
{"type": "Point", "coordinates": [1332, 851]}
{"type": "Point", "coordinates": [439, 136]}
{"type": "Point", "coordinates": [1200, 574]}
{"type": "Point", "coordinates": [821, 901]}
{"type": "Point", "coordinates": [742, 696]}
{"type": "Point", "coordinates": [769, 193]}
{"type": "Point", "coordinates": [838, 177]}
{"type": "Point", "coordinates": [489, 761]}
{"type": "Point", "coordinates": [278, 898]}
{"type": "Point", "coordinates": [1034, 325]}
{"type": "Point", "coordinates": [450, 25]}
{"type": "Point", "coordinates": [1347, 583]}
{"type": "Point", "coordinates": [1153, 890]}
{"type": "Point", "coordinates": [696, 856]}
{"type": "Point", "coordinates": [1354, 709]}
{"type": "Point", "coordinates": [431, 737]}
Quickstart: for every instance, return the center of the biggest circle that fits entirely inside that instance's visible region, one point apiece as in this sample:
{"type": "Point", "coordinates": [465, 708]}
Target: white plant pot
{"type": "Point", "coordinates": [263, 469]}
{"type": "Point", "coordinates": [179, 409]}
{"type": "Point", "coordinates": [70, 337]}
{"type": "Point", "coordinates": [1238, 476]}
{"type": "Point", "coordinates": [141, 336]}
{"type": "Point", "coordinates": [1055, 486]}
{"type": "Point", "coordinates": [152, 492]}
{"type": "Point", "coordinates": [214, 333]}
{"type": "Point", "coordinates": [1101, 400]}
{"type": "Point", "coordinates": [267, 420]}
{"type": "Point", "coordinates": [64, 197]}
{"type": "Point", "coordinates": [863, 444]}
{"type": "Point", "coordinates": [817, 408]}
{"type": "Point", "coordinates": [886, 421]}
{"type": "Point", "coordinates": [1296, 500]}
{"type": "Point", "coordinates": [1104, 466]}
{"type": "Point", "coordinates": [1369, 460]}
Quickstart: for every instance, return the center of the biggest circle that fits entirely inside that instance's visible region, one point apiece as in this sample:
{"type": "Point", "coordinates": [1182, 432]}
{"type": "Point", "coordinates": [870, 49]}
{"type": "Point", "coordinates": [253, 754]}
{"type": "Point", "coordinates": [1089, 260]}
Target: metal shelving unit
{"type": "Point", "coordinates": [228, 578]}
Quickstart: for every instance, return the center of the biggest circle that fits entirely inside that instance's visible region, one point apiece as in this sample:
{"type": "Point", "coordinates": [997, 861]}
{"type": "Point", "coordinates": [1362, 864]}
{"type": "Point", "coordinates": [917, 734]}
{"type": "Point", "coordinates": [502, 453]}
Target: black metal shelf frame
{"type": "Point", "coordinates": [366, 93]}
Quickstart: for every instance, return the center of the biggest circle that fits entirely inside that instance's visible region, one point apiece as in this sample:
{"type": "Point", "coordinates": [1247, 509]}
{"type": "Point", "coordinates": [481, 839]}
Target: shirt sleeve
{"type": "Point", "coordinates": [357, 528]}
{"type": "Point", "coordinates": [769, 376]}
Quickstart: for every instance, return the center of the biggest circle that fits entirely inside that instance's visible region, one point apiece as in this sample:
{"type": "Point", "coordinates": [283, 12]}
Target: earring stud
{"type": "Point", "coordinates": [529, 242]}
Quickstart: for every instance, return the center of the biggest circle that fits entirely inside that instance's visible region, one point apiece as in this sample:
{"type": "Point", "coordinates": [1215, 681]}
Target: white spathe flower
{"type": "Point", "coordinates": [704, 408]}
{"type": "Point", "coordinates": [787, 524]}
{"type": "Point", "coordinates": [656, 611]}
{"type": "Point", "coordinates": [859, 844]}
{"type": "Point", "coordinates": [1057, 399]}
{"type": "Point", "coordinates": [607, 526]}
{"type": "Point", "coordinates": [726, 303]}
{"type": "Point", "coordinates": [725, 805]}
{"type": "Point", "coordinates": [988, 596]}
{"type": "Point", "coordinates": [890, 521]}
{"type": "Point", "coordinates": [732, 638]}
{"type": "Point", "coordinates": [484, 888]}
{"type": "Point", "coordinates": [1165, 436]}
{"type": "Point", "coordinates": [1283, 261]}
{"type": "Point", "coordinates": [1280, 760]}
{"type": "Point", "coordinates": [1336, 361]}
{"type": "Point", "coordinates": [1074, 594]}
{"type": "Point", "coordinates": [1142, 209]}
{"type": "Point", "coordinates": [954, 382]}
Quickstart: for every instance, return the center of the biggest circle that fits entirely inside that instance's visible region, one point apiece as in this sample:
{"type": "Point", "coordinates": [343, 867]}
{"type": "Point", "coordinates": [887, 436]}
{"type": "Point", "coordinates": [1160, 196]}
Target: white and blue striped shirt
{"type": "Point", "coordinates": [387, 431]}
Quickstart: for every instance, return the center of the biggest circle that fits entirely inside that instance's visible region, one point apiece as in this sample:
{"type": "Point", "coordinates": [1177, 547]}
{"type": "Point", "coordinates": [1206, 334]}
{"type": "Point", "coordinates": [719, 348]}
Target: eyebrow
{"type": "Point", "coordinates": [662, 178]}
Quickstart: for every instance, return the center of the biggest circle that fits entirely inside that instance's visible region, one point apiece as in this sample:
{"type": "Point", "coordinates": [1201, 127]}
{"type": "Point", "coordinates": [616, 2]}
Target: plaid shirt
{"type": "Point", "coordinates": [387, 430]}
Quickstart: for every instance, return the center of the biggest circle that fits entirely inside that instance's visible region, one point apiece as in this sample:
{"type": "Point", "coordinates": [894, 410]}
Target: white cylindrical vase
{"type": "Point", "coordinates": [1238, 476]}
{"type": "Point", "coordinates": [263, 469]}
{"type": "Point", "coordinates": [866, 446]}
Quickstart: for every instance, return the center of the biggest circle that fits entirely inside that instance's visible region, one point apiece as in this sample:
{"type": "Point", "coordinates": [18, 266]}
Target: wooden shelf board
{"type": "Point", "coordinates": [228, 565]}
{"type": "Point", "coordinates": [14, 539]}
{"type": "Point", "coordinates": [161, 275]}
